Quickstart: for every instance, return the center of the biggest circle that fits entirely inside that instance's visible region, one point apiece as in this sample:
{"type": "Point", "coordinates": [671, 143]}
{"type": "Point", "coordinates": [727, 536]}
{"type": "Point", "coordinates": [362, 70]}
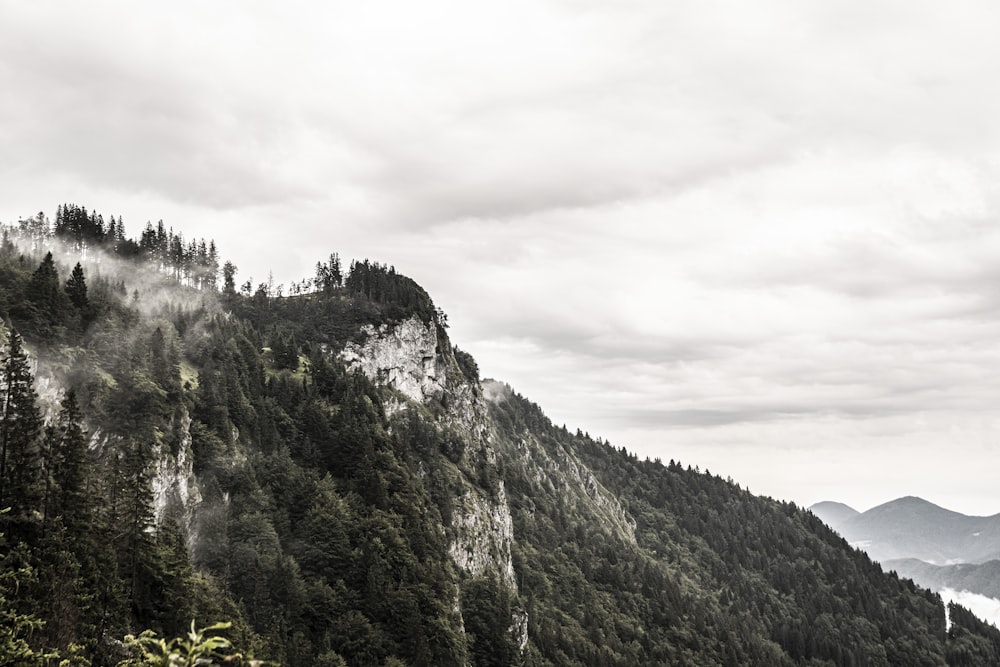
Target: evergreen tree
{"type": "Point", "coordinates": [158, 356]}
{"type": "Point", "coordinates": [70, 554]}
{"type": "Point", "coordinates": [36, 229]}
{"type": "Point", "coordinates": [212, 267]}
{"type": "Point", "coordinates": [76, 288]}
{"type": "Point", "coordinates": [486, 609]}
{"type": "Point", "coordinates": [165, 365]}
{"type": "Point", "coordinates": [229, 278]}
{"type": "Point", "coordinates": [285, 352]}
{"type": "Point", "coordinates": [46, 303]}
{"type": "Point", "coordinates": [70, 468]}
{"type": "Point", "coordinates": [20, 432]}
{"type": "Point", "coordinates": [120, 231]}
{"type": "Point", "coordinates": [136, 546]}
{"type": "Point", "coordinates": [148, 242]}
{"type": "Point", "coordinates": [336, 272]}
{"type": "Point", "coordinates": [15, 627]}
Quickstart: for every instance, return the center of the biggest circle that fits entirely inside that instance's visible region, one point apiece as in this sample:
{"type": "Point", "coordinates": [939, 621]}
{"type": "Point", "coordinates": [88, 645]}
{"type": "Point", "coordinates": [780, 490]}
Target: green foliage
{"type": "Point", "coordinates": [198, 647]}
{"type": "Point", "coordinates": [285, 352]}
{"type": "Point", "coordinates": [972, 642]}
{"type": "Point", "coordinates": [487, 612]}
{"type": "Point", "coordinates": [381, 284]}
{"type": "Point", "coordinates": [76, 289]}
{"type": "Point", "coordinates": [716, 575]}
{"type": "Point", "coordinates": [16, 628]}
{"type": "Point", "coordinates": [229, 279]}
{"type": "Point", "coordinates": [468, 364]}
{"type": "Point", "coordinates": [45, 306]}
{"type": "Point", "coordinates": [330, 508]}
{"type": "Point", "coordinates": [21, 485]}
{"type": "Point", "coordinates": [329, 275]}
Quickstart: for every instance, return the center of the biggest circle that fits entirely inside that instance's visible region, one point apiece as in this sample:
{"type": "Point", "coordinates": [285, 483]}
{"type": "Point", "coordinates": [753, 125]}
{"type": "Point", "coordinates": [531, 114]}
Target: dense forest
{"type": "Point", "coordinates": [178, 447]}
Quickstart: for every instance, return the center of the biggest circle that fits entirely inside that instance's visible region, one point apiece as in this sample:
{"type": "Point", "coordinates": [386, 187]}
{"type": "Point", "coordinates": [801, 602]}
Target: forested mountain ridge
{"type": "Point", "coordinates": [912, 527]}
{"type": "Point", "coordinates": [937, 548]}
{"type": "Point", "coordinates": [328, 471]}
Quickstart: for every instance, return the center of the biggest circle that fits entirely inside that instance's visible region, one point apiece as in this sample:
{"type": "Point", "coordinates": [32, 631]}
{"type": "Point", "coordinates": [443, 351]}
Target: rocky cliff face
{"type": "Point", "coordinates": [483, 534]}
{"type": "Point", "coordinates": [404, 356]}
{"type": "Point", "coordinates": [174, 486]}
{"type": "Point", "coordinates": [408, 357]}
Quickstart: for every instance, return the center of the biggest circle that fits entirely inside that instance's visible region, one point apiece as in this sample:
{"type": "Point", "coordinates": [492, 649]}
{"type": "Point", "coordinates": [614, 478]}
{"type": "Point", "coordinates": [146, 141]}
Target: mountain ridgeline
{"type": "Point", "coordinates": [326, 470]}
{"type": "Point", "coordinates": [915, 528]}
{"type": "Point", "coordinates": [937, 548]}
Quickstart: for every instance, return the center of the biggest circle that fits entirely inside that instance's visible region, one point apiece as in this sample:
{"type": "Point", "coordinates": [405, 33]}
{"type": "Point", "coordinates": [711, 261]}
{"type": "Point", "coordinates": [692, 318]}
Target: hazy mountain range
{"type": "Point", "coordinates": [911, 527]}
{"type": "Point", "coordinates": [934, 546]}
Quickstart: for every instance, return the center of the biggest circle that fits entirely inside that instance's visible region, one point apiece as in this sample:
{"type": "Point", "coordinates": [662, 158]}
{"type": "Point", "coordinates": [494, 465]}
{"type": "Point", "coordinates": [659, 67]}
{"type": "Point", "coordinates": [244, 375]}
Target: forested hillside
{"type": "Point", "coordinates": [321, 466]}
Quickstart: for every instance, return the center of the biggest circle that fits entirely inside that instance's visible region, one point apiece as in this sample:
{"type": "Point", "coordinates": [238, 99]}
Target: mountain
{"type": "Point", "coordinates": [935, 547]}
{"type": "Point", "coordinates": [327, 471]}
{"type": "Point", "coordinates": [981, 578]}
{"type": "Point", "coordinates": [915, 528]}
{"type": "Point", "coordinates": [832, 513]}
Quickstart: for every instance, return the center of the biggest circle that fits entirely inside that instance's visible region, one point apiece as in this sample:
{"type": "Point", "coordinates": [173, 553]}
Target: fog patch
{"type": "Point", "coordinates": [984, 607]}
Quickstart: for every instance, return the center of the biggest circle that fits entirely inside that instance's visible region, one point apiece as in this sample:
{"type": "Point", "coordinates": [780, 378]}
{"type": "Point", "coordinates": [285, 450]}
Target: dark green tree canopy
{"type": "Point", "coordinates": [44, 294]}
{"type": "Point", "coordinates": [20, 432]}
{"type": "Point", "coordinates": [76, 288]}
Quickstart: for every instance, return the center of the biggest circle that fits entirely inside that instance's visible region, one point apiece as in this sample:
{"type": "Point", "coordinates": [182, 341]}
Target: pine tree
{"type": "Point", "coordinates": [336, 273]}
{"type": "Point", "coordinates": [229, 278]}
{"type": "Point", "coordinates": [165, 365]}
{"type": "Point", "coordinates": [70, 554]}
{"type": "Point", "coordinates": [136, 544]}
{"type": "Point", "coordinates": [15, 627]}
{"type": "Point", "coordinates": [148, 242]}
{"type": "Point", "coordinates": [35, 229]}
{"type": "Point", "coordinates": [76, 288]}
{"type": "Point", "coordinates": [20, 433]}
{"type": "Point", "coordinates": [212, 268]}
{"type": "Point", "coordinates": [47, 303]}
{"type": "Point", "coordinates": [120, 231]}
{"type": "Point", "coordinates": [158, 356]}
{"type": "Point", "coordinates": [70, 467]}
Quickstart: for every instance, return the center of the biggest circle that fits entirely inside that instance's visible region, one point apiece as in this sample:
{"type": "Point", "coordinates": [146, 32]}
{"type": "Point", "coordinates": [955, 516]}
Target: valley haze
{"type": "Point", "coordinates": [760, 241]}
{"type": "Point", "coordinates": [948, 552]}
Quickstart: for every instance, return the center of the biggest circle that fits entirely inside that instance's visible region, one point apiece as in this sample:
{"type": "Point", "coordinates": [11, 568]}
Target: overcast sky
{"type": "Point", "coordinates": [761, 238]}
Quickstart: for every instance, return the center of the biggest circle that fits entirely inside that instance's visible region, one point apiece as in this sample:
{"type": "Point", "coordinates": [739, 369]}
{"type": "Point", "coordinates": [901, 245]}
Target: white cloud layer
{"type": "Point", "coordinates": [761, 239]}
{"type": "Point", "coordinates": [984, 607]}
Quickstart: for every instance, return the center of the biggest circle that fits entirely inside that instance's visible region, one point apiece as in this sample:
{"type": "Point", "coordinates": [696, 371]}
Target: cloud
{"type": "Point", "coordinates": [706, 228]}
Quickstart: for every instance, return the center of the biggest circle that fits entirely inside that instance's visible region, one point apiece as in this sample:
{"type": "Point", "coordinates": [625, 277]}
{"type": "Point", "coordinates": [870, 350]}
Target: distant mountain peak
{"type": "Point", "coordinates": [829, 504]}
{"type": "Point", "coordinates": [911, 500]}
{"type": "Point", "coordinates": [833, 513]}
{"type": "Point", "coordinates": [912, 504]}
{"type": "Point", "coordinates": [912, 527]}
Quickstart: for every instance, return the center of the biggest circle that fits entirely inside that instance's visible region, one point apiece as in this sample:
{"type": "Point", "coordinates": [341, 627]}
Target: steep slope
{"type": "Point", "coordinates": [763, 582]}
{"type": "Point", "coordinates": [328, 471]}
{"type": "Point", "coordinates": [915, 528]}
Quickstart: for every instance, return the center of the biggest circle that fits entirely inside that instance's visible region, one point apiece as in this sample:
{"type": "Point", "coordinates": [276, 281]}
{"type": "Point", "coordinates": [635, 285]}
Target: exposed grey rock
{"type": "Point", "coordinates": [173, 483]}
{"type": "Point", "coordinates": [403, 356]}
